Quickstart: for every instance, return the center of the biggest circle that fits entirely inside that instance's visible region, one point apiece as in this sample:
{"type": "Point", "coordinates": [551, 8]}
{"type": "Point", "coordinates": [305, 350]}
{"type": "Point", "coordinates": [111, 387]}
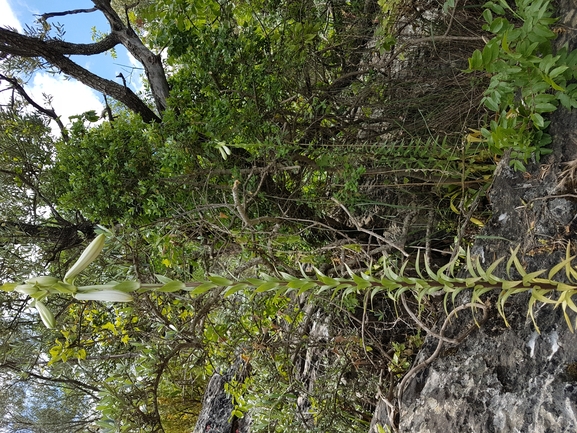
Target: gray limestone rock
{"type": "Point", "coordinates": [512, 379]}
{"type": "Point", "coordinates": [499, 380]}
{"type": "Point", "coordinates": [216, 414]}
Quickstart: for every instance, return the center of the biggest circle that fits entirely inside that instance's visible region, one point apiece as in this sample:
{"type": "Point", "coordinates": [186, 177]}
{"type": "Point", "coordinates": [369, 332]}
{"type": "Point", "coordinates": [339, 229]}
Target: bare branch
{"type": "Point", "coordinates": [105, 44]}
{"type": "Point", "coordinates": [152, 62]}
{"type": "Point", "coordinates": [47, 15]}
{"type": "Point", "coordinates": [370, 232]}
{"type": "Point", "coordinates": [48, 112]}
{"type": "Point", "coordinates": [25, 46]}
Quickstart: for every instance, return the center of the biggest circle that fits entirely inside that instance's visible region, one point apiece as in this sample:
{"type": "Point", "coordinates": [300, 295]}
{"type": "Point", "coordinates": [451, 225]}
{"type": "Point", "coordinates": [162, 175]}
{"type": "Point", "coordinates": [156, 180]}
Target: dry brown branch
{"type": "Point", "coordinates": [47, 15]}
{"type": "Point", "coordinates": [370, 232]}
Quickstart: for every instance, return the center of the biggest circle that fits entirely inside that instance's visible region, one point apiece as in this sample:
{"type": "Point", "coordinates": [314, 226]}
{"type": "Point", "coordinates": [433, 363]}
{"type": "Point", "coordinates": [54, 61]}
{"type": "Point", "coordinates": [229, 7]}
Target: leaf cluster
{"type": "Point", "coordinates": [528, 80]}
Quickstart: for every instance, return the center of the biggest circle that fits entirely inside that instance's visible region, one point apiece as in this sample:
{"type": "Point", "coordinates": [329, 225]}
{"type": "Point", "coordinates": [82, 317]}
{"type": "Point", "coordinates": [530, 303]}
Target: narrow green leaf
{"type": "Point", "coordinates": [375, 291]}
{"type": "Point", "coordinates": [510, 261]}
{"type": "Point", "coordinates": [555, 269]}
{"type": "Point", "coordinates": [8, 287]}
{"type": "Point", "coordinates": [287, 277]}
{"type": "Point", "coordinates": [568, 320]}
{"type": "Point", "coordinates": [470, 267]}
{"type": "Point", "coordinates": [306, 287]}
{"type": "Point", "coordinates": [539, 295]}
{"type": "Point", "coordinates": [418, 264]}
{"type": "Point", "coordinates": [488, 16]}
{"type": "Point", "coordinates": [234, 289]}
{"type": "Point", "coordinates": [545, 107]}
{"type": "Point", "coordinates": [520, 269]}
{"type": "Point", "coordinates": [255, 282]}
{"type": "Point", "coordinates": [476, 61]}
{"type": "Point", "coordinates": [268, 285]}
{"type": "Point", "coordinates": [558, 71]}
{"type": "Point", "coordinates": [220, 281]}
{"type": "Point", "coordinates": [67, 289]}
{"type": "Point", "coordinates": [568, 299]}
{"type": "Point", "coordinates": [480, 269]}
{"type": "Point", "coordinates": [173, 286]}
{"type": "Point", "coordinates": [296, 284]}
{"type": "Point", "coordinates": [163, 279]}
{"type": "Point", "coordinates": [202, 288]}
{"type": "Point", "coordinates": [328, 280]}
{"type": "Point", "coordinates": [491, 279]}
{"type": "Point", "coordinates": [530, 278]}
{"type": "Point", "coordinates": [507, 285]}
{"type": "Point", "coordinates": [430, 272]}
{"type": "Point", "coordinates": [127, 286]}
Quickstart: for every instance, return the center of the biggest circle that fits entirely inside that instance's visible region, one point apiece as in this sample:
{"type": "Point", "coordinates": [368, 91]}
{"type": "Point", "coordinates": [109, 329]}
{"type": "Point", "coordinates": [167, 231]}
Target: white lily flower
{"type": "Point", "coordinates": [108, 295]}
{"type": "Point", "coordinates": [88, 256]}
{"type": "Point", "coordinates": [45, 314]}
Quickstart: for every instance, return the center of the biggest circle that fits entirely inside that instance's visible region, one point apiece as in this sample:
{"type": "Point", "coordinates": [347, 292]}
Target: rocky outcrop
{"type": "Point", "coordinates": [512, 379]}
{"type": "Point", "coordinates": [217, 407]}
{"type": "Point", "coordinates": [499, 380]}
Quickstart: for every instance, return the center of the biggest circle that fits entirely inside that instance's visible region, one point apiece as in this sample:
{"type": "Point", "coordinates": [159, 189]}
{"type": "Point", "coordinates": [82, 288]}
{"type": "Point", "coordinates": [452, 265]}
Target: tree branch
{"type": "Point", "coordinates": [84, 387]}
{"type": "Point", "coordinates": [36, 190]}
{"type": "Point", "coordinates": [20, 45]}
{"type": "Point", "coordinates": [152, 62]}
{"type": "Point", "coordinates": [47, 15]}
{"type": "Point", "coordinates": [25, 46]}
{"type": "Point", "coordinates": [105, 44]}
{"type": "Point", "coordinates": [48, 112]}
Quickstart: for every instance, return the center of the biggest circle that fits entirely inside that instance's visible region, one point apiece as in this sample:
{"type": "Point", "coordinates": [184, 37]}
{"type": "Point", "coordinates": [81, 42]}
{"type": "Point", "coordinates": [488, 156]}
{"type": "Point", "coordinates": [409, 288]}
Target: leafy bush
{"type": "Point", "coordinates": [109, 172]}
{"type": "Point", "coordinates": [528, 80]}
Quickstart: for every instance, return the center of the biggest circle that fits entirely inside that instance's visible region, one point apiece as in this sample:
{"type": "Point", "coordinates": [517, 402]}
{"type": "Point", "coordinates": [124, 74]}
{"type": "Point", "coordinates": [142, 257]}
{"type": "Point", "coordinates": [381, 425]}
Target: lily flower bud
{"type": "Point", "coordinates": [45, 314]}
{"type": "Point", "coordinates": [107, 295]}
{"type": "Point", "coordinates": [87, 257]}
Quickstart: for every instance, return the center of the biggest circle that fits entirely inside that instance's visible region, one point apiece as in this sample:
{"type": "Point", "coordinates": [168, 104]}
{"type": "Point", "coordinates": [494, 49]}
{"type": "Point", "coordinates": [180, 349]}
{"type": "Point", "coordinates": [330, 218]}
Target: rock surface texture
{"type": "Point", "coordinates": [216, 414]}
{"type": "Point", "coordinates": [512, 379]}
{"type": "Point", "coordinates": [499, 380]}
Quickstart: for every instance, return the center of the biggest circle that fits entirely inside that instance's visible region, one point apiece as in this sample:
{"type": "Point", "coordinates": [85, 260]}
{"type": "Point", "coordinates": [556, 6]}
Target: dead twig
{"type": "Point", "coordinates": [413, 371]}
{"type": "Point", "coordinates": [370, 232]}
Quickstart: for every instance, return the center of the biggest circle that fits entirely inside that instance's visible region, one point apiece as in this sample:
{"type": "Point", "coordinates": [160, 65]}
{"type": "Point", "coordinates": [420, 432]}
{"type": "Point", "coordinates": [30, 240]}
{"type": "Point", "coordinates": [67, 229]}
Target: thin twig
{"type": "Point", "coordinates": [47, 111]}
{"type": "Point", "coordinates": [430, 220]}
{"type": "Point", "coordinates": [240, 208]}
{"type": "Point", "coordinates": [413, 371]}
{"type": "Point", "coordinates": [47, 15]}
{"type": "Point", "coordinates": [370, 232]}
{"type": "Point", "coordinates": [452, 17]}
{"type": "Point", "coordinates": [423, 326]}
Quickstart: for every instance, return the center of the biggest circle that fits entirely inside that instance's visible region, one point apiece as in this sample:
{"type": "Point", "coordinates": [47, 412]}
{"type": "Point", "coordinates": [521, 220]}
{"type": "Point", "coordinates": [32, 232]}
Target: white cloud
{"type": "Point", "coordinates": [69, 97]}
{"type": "Point", "coordinates": [7, 16]}
{"type": "Point", "coordinates": [134, 78]}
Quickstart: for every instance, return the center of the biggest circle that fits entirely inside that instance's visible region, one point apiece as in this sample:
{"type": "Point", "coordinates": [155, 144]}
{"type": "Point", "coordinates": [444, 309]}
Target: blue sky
{"type": "Point", "coordinates": [70, 97]}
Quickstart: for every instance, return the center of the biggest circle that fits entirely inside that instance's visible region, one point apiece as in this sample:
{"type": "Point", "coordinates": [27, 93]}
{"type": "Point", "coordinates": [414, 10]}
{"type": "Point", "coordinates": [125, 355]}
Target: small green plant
{"type": "Point", "coordinates": [528, 80]}
{"type": "Point", "coordinates": [392, 283]}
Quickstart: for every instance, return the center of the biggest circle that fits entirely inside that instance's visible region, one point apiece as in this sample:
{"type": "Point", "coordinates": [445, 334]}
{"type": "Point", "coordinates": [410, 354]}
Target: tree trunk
{"type": "Point", "coordinates": [57, 53]}
{"type": "Point", "coordinates": [152, 62]}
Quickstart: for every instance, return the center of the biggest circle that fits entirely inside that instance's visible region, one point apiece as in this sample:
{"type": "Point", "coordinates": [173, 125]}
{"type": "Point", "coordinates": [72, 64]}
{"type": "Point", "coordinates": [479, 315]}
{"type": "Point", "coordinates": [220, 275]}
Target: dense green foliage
{"type": "Point", "coordinates": [334, 139]}
{"type": "Point", "coordinates": [527, 78]}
